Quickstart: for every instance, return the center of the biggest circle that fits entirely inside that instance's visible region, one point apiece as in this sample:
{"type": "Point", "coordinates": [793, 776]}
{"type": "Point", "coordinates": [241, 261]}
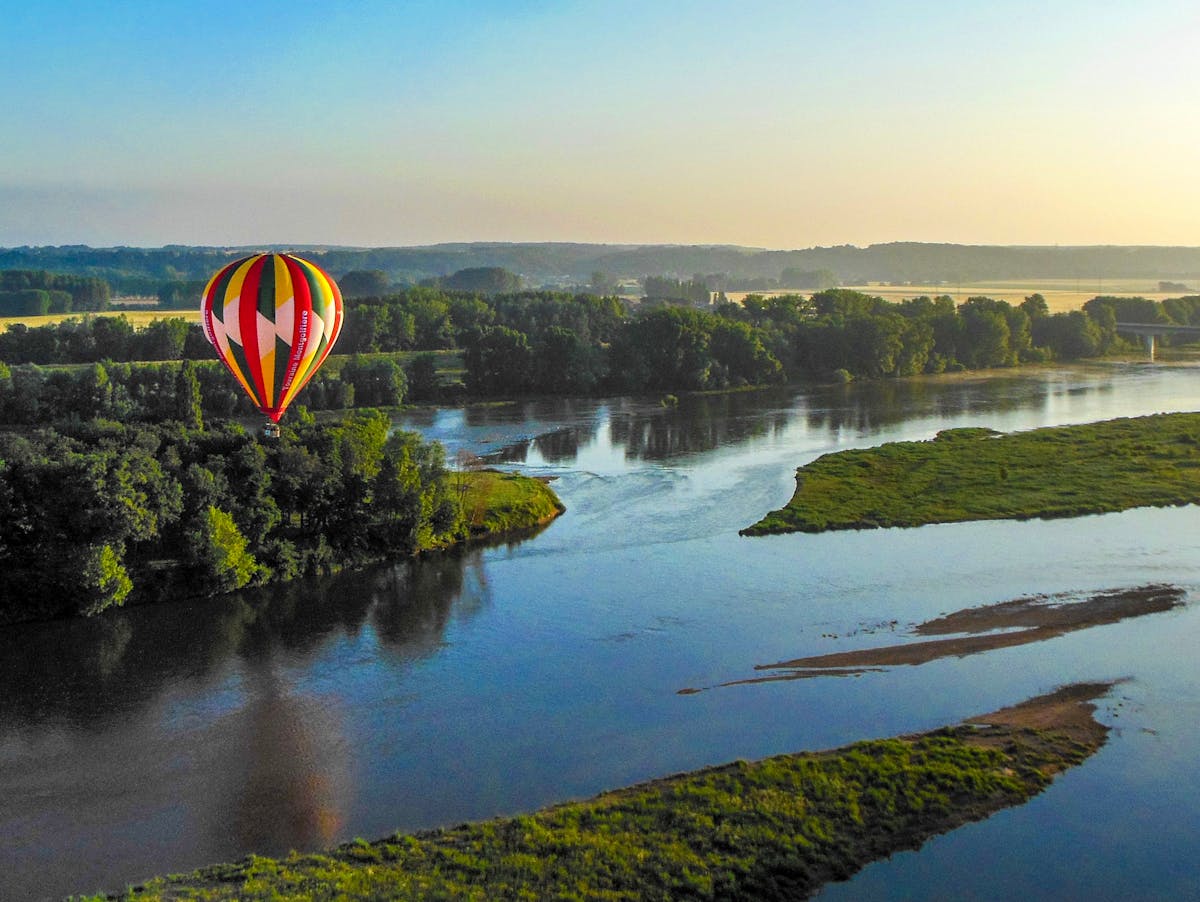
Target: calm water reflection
{"type": "Point", "coordinates": [497, 680]}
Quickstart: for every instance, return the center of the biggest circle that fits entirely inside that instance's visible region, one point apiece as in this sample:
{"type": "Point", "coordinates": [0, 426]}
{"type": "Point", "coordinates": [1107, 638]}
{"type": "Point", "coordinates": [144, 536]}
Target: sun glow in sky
{"type": "Point", "coordinates": [774, 124]}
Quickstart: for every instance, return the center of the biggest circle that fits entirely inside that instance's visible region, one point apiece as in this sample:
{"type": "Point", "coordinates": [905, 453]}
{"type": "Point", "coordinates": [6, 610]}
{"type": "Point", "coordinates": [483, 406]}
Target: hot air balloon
{"type": "Point", "coordinates": [273, 319]}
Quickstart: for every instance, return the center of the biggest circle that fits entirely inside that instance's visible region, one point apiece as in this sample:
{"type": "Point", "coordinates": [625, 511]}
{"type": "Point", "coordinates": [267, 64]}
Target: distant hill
{"type": "Point", "coordinates": [566, 264]}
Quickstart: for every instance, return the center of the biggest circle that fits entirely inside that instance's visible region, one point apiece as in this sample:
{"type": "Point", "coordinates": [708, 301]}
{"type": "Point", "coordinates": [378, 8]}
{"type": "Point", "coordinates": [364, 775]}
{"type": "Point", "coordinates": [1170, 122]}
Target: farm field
{"type": "Point", "coordinates": [1061, 295]}
{"type": "Point", "coordinates": [138, 318]}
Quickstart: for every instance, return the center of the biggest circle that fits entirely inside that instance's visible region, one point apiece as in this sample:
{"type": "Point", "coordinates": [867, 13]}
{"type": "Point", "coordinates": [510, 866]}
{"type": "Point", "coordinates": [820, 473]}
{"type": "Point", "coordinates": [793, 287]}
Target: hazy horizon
{"type": "Point", "coordinates": [773, 125]}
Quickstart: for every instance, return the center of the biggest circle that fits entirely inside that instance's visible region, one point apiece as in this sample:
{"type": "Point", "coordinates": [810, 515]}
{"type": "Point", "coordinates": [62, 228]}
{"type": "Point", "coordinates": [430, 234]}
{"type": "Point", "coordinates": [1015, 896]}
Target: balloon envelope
{"type": "Point", "coordinates": [273, 319]}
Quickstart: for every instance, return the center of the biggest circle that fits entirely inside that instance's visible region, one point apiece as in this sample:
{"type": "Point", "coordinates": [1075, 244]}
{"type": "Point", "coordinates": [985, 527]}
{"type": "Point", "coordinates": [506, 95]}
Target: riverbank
{"type": "Point", "coordinates": [496, 505]}
{"type": "Point", "coordinates": [490, 506]}
{"type": "Point", "coordinates": [773, 829]}
{"type": "Point", "coordinates": [979, 474]}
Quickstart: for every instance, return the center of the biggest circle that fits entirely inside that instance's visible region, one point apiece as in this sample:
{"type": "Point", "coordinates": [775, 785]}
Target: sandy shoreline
{"type": "Point", "coordinates": [1004, 625]}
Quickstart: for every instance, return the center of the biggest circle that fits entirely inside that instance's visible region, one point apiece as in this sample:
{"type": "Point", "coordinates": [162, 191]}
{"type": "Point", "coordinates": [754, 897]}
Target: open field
{"type": "Point", "coordinates": [1061, 294]}
{"type": "Point", "coordinates": [978, 474]}
{"type": "Point", "coordinates": [138, 318]}
{"type": "Point", "coordinates": [772, 829]}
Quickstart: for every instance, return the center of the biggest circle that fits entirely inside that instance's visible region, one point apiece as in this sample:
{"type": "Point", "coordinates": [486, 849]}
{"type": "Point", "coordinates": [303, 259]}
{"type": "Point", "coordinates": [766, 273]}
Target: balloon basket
{"type": "Point", "coordinates": [270, 430]}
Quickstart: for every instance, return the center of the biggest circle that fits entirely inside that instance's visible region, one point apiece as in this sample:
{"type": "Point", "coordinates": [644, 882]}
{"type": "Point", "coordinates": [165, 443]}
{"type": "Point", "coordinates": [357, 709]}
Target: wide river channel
{"type": "Point", "coordinates": [498, 680]}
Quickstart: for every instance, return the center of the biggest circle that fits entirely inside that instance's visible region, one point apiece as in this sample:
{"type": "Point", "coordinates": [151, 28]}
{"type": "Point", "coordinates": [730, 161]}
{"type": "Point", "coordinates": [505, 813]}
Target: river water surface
{"type": "Point", "coordinates": [498, 680]}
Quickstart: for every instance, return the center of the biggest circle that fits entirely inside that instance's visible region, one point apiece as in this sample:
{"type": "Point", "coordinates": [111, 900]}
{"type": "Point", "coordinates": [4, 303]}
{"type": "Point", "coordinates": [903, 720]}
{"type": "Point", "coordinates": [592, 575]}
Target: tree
{"type": "Point", "coordinates": [27, 302]}
{"type": "Point", "coordinates": [99, 577]}
{"type": "Point", "coordinates": [916, 348]}
{"type": "Point", "coordinates": [845, 302]}
{"type": "Point", "coordinates": [813, 280]}
{"type": "Point", "coordinates": [25, 400]}
{"type": "Point", "coordinates": [359, 283]}
{"type": "Point", "coordinates": [1127, 310]}
{"type": "Point", "coordinates": [666, 348]}
{"type": "Point", "coordinates": [366, 330]}
{"type": "Point", "coordinates": [113, 336]}
{"type": "Point", "coordinates": [483, 280]}
{"type": "Point", "coordinates": [564, 363]}
{"type": "Point", "coordinates": [218, 554]}
{"type": "Point", "coordinates": [90, 392]}
{"type": "Point", "coordinates": [740, 354]}
{"type": "Point", "coordinates": [423, 381]}
{"type": "Point", "coordinates": [876, 343]}
{"type": "Point", "coordinates": [498, 361]}
{"type": "Point", "coordinates": [377, 383]}
{"type": "Point", "coordinates": [163, 339]}
{"type": "Point", "coordinates": [985, 334]}
{"type": "Point", "coordinates": [602, 283]}
{"type": "Point", "coordinates": [187, 397]}
{"type": "Point", "coordinates": [1035, 306]}
{"type": "Point", "coordinates": [694, 291]}
{"type": "Point", "coordinates": [177, 295]}
{"type": "Point", "coordinates": [1069, 335]}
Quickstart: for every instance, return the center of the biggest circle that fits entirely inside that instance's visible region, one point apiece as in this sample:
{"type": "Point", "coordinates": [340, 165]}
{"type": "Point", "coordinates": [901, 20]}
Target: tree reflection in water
{"type": "Point", "coordinates": [90, 674]}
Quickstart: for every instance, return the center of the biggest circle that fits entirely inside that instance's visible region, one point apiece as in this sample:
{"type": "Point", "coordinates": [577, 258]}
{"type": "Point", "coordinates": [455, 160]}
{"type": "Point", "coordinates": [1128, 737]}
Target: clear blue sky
{"type": "Point", "coordinates": [777, 124]}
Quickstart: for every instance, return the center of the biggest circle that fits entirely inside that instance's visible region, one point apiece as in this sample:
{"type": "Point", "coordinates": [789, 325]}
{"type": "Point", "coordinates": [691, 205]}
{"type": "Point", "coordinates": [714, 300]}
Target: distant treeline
{"type": "Point", "coordinates": [144, 270]}
{"type": "Point", "coordinates": [695, 290]}
{"type": "Point", "coordinates": [1183, 311]}
{"type": "Point", "coordinates": [98, 511]}
{"type": "Point", "coordinates": [37, 292]}
{"type": "Point", "coordinates": [547, 343]}
{"type": "Point", "coordinates": [554, 343]}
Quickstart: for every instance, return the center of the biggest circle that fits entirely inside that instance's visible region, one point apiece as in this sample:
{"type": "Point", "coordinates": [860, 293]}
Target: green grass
{"type": "Point", "coordinates": [977, 474]}
{"type": "Point", "coordinates": [496, 503]}
{"type": "Point", "coordinates": [774, 829]}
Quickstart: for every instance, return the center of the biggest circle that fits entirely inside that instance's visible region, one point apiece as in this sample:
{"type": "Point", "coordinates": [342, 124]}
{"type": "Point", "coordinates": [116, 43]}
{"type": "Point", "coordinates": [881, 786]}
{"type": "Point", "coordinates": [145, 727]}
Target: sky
{"type": "Point", "coordinates": [768, 124]}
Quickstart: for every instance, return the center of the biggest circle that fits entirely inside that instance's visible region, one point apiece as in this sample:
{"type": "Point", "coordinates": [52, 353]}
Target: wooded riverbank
{"type": "Point", "coordinates": [99, 514]}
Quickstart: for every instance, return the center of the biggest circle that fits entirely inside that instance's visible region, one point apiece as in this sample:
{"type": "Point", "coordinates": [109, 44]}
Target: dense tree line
{"type": "Point", "coordinates": [694, 291]}
{"type": "Point", "coordinates": [183, 295]}
{"type": "Point", "coordinates": [98, 512]}
{"type": "Point", "coordinates": [548, 342]}
{"type": "Point", "coordinates": [33, 292]}
{"type": "Point", "coordinates": [95, 338]}
{"type": "Point", "coordinates": [556, 343]}
{"type": "Point", "coordinates": [33, 302]}
{"type": "Point", "coordinates": [31, 395]}
{"type": "Point", "coordinates": [1184, 311]}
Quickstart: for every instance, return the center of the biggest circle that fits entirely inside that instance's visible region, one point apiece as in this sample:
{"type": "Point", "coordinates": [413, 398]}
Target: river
{"type": "Point", "coordinates": [497, 680]}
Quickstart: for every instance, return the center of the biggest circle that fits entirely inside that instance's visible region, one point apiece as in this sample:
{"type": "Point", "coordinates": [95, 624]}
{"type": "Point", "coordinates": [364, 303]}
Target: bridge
{"type": "Point", "coordinates": [1149, 332]}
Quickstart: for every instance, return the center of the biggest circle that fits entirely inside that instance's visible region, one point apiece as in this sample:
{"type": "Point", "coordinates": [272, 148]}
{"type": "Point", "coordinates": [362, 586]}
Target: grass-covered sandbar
{"type": "Point", "coordinates": [497, 503]}
{"type": "Point", "coordinates": [779, 828]}
{"type": "Point", "coordinates": [979, 474]}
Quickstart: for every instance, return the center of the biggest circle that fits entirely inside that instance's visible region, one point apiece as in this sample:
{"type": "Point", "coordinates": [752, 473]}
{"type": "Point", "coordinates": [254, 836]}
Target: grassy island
{"type": "Point", "coordinates": [979, 474]}
{"type": "Point", "coordinates": [497, 504]}
{"type": "Point", "coordinates": [772, 829]}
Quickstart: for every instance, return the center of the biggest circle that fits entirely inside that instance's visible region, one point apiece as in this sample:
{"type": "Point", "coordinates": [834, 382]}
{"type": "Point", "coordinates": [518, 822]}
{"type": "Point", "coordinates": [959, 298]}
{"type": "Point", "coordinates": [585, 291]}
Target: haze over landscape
{"type": "Point", "coordinates": [771, 124]}
{"type": "Point", "coordinates": [700, 450]}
